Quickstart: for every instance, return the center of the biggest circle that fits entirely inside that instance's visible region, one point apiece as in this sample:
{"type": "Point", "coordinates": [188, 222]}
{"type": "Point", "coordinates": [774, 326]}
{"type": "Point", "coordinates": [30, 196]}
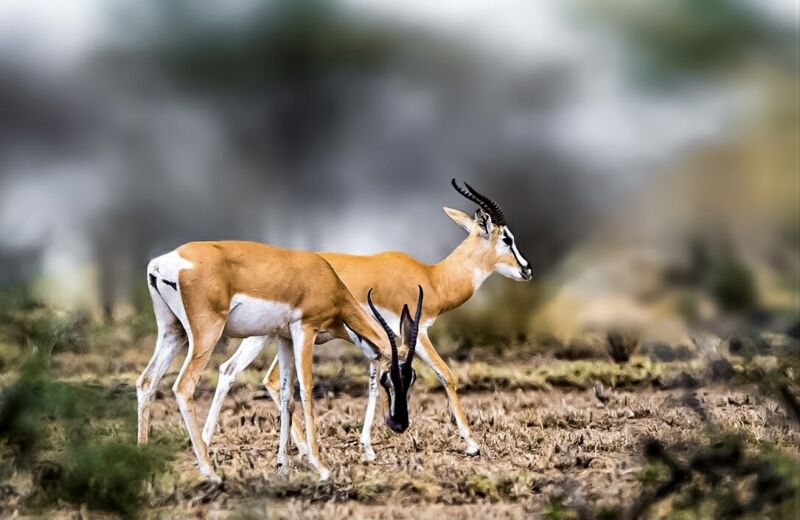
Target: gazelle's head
{"type": "Point", "coordinates": [398, 380]}
{"type": "Point", "coordinates": [491, 236]}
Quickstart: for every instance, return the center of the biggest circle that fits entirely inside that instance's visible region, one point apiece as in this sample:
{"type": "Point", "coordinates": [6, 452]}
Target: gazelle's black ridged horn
{"type": "Point", "coordinates": [395, 366]}
{"type": "Point", "coordinates": [470, 196]}
{"type": "Point", "coordinates": [414, 331]}
{"type": "Point", "coordinates": [493, 207]}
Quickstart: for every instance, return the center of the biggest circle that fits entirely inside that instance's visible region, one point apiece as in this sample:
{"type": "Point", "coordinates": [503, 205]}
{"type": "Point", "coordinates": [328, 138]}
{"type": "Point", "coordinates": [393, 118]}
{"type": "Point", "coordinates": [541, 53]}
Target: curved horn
{"type": "Point", "coordinates": [470, 196]}
{"type": "Point", "coordinates": [414, 331]}
{"type": "Point", "coordinates": [395, 367]}
{"type": "Point", "coordinates": [494, 208]}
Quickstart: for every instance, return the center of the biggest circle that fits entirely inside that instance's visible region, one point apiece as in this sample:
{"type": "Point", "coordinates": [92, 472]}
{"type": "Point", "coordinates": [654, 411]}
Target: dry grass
{"type": "Point", "coordinates": [537, 447]}
{"type": "Point", "coordinates": [549, 445]}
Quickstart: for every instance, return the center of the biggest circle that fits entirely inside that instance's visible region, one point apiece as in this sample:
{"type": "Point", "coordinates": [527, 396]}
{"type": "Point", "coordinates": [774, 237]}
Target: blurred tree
{"type": "Point", "coordinates": [668, 41]}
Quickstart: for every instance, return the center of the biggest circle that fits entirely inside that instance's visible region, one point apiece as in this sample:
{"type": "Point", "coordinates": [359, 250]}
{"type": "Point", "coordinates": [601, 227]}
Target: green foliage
{"type": "Point", "coordinates": [670, 40]}
{"type": "Point", "coordinates": [78, 441]}
{"type": "Point", "coordinates": [499, 316]}
{"type": "Point", "coordinates": [723, 477]}
{"type": "Point", "coordinates": [107, 475]}
{"type": "Point", "coordinates": [621, 345]}
{"type": "Point", "coordinates": [490, 486]}
{"type": "Point", "coordinates": [555, 510]}
{"type": "Point", "coordinates": [24, 407]}
{"type": "Point", "coordinates": [279, 41]}
{"type": "Point", "coordinates": [608, 513]}
{"type": "Point", "coordinates": [27, 321]}
{"type": "Point", "coordinates": [733, 285]}
{"type": "Point", "coordinates": [653, 472]}
{"type": "Point", "coordinates": [687, 308]}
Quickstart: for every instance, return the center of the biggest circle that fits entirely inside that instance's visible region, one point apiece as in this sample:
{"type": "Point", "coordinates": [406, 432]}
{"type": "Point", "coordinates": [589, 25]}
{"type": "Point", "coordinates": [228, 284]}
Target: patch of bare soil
{"type": "Point", "coordinates": [538, 448]}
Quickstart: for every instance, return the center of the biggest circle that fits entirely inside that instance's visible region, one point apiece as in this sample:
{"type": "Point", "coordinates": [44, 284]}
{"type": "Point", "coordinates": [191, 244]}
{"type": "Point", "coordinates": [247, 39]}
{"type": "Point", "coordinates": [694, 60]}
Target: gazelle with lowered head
{"type": "Point", "coordinates": [489, 247]}
{"type": "Point", "coordinates": [205, 291]}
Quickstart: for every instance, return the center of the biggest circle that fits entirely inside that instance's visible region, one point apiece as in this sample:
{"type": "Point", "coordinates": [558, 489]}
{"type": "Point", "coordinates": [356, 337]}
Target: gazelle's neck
{"type": "Point", "coordinates": [459, 275]}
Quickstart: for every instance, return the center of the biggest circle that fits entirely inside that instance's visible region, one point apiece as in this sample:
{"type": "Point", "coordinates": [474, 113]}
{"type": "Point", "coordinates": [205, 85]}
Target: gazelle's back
{"type": "Point", "coordinates": [257, 285]}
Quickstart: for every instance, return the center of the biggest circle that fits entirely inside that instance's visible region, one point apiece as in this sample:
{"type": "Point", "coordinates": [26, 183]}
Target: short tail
{"type": "Point", "coordinates": [163, 291]}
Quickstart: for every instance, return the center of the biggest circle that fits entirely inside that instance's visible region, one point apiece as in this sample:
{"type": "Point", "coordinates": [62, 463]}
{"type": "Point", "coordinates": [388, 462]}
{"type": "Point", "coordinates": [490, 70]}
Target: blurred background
{"type": "Point", "coordinates": [644, 153]}
{"type": "Point", "coordinates": [645, 156]}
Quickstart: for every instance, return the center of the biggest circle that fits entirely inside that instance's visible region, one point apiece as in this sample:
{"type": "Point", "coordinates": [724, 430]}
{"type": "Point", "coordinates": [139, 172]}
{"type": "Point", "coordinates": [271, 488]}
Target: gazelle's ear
{"type": "Point", "coordinates": [460, 218]}
{"type": "Point", "coordinates": [406, 324]}
{"type": "Point", "coordinates": [484, 223]}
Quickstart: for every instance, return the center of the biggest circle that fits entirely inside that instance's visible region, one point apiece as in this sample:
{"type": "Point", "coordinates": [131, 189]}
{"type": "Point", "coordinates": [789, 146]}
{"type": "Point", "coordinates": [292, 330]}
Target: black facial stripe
{"type": "Point", "coordinates": [153, 281]}
{"type": "Point", "coordinates": [398, 391]}
{"type": "Point", "coordinates": [523, 257]}
{"type": "Point", "coordinates": [171, 284]}
{"type": "Point", "coordinates": [518, 255]}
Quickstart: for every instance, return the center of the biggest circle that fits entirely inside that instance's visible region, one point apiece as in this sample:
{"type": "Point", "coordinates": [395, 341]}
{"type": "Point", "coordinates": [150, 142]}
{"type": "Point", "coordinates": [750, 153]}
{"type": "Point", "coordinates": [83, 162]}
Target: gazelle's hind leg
{"type": "Point", "coordinates": [286, 363]}
{"type": "Point", "coordinates": [248, 350]}
{"type": "Point", "coordinates": [171, 339]}
{"type": "Point", "coordinates": [202, 340]}
{"type": "Point", "coordinates": [272, 382]}
{"type": "Point", "coordinates": [448, 379]}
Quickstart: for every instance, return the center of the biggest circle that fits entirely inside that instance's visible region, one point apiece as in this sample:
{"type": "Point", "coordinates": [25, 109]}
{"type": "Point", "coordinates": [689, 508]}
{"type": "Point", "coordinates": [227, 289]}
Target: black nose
{"type": "Point", "coordinates": [527, 273]}
{"type": "Point", "coordinates": [396, 426]}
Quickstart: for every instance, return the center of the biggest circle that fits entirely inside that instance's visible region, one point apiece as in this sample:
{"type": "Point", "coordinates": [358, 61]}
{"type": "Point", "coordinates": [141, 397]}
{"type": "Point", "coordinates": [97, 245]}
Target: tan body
{"type": "Point", "coordinates": [394, 276]}
{"type": "Point", "coordinates": [204, 291]}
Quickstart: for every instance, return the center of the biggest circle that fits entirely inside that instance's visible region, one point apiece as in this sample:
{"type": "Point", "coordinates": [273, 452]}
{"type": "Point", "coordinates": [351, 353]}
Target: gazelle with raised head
{"type": "Point", "coordinates": [489, 247]}
{"type": "Point", "coordinates": [205, 291]}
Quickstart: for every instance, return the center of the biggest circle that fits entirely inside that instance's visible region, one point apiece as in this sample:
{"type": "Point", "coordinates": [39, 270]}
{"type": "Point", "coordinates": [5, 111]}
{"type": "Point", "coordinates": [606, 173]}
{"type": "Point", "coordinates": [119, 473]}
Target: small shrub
{"type": "Point", "coordinates": [78, 440]}
{"type": "Point", "coordinates": [687, 308]}
{"type": "Point", "coordinates": [661, 351]}
{"type": "Point", "coordinates": [106, 476]}
{"type": "Point", "coordinates": [582, 347]}
{"type": "Point", "coordinates": [621, 345]}
{"type": "Point", "coordinates": [733, 286]}
{"type": "Point", "coordinates": [490, 486]}
{"type": "Point", "coordinates": [44, 328]}
{"type": "Point", "coordinates": [722, 478]}
{"type": "Point", "coordinates": [556, 510]}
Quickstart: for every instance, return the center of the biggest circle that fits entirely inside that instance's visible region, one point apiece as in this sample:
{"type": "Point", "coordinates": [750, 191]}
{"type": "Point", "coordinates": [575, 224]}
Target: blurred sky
{"type": "Point", "coordinates": [131, 127]}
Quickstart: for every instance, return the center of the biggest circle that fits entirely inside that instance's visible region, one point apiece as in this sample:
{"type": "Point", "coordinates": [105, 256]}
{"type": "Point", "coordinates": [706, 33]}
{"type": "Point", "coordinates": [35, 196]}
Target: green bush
{"type": "Point", "coordinates": [722, 477]}
{"type": "Point", "coordinates": [107, 476]}
{"type": "Point", "coordinates": [27, 321]}
{"type": "Point", "coordinates": [495, 318]}
{"type": "Point", "coordinates": [733, 286]}
{"type": "Point", "coordinates": [78, 441]}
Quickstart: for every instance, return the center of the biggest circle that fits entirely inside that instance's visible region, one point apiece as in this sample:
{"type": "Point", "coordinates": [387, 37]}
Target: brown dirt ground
{"type": "Point", "coordinates": [537, 446]}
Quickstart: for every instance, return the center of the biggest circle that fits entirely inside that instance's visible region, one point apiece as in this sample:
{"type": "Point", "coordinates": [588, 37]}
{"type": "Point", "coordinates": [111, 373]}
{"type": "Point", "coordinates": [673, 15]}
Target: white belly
{"type": "Point", "coordinates": [250, 316]}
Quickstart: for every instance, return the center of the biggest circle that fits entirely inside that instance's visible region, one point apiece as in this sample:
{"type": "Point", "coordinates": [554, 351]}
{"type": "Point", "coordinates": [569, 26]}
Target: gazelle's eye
{"type": "Point", "coordinates": [507, 240]}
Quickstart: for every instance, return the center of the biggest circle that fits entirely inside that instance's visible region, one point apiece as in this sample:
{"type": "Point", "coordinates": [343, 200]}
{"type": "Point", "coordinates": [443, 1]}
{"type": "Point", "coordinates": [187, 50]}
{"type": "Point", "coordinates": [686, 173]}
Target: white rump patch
{"type": "Point", "coordinates": [168, 266]}
{"type": "Point", "coordinates": [166, 270]}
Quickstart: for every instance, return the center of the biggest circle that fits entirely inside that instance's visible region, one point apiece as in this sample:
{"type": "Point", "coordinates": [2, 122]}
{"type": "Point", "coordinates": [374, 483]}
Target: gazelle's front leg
{"type": "Point", "coordinates": [448, 379]}
{"type": "Point", "coordinates": [369, 415]}
{"type": "Point", "coordinates": [303, 337]}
